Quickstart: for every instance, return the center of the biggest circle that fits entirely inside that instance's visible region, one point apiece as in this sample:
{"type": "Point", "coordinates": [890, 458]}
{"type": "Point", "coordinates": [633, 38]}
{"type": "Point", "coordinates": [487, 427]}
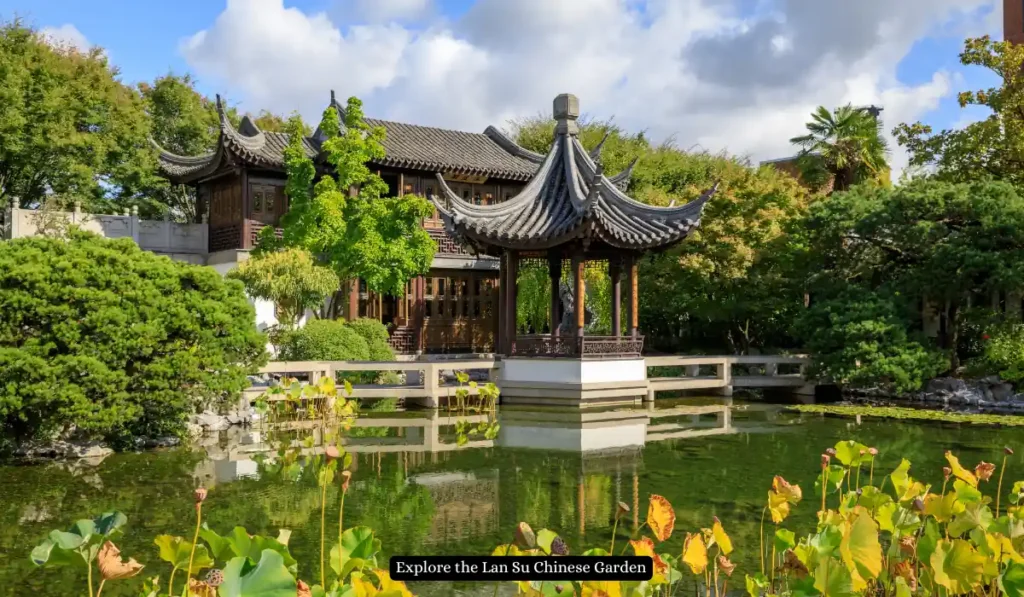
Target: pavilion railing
{"type": "Point", "coordinates": [545, 345]}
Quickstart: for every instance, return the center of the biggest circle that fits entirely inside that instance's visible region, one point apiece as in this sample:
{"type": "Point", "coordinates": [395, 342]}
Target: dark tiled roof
{"type": "Point", "coordinates": [568, 198]}
{"type": "Point", "coordinates": [441, 150]}
{"type": "Point", "coordinates": [410, 146]}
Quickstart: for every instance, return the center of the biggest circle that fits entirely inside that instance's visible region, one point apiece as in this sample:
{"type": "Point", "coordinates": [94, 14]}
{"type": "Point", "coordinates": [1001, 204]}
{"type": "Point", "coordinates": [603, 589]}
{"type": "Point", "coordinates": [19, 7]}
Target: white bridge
{"type": "Point", "coordinates": [424, 385]}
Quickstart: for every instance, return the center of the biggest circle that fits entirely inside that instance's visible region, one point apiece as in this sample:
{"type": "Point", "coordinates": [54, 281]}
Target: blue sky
{"type": "Point", "coordinates": [148, 38]}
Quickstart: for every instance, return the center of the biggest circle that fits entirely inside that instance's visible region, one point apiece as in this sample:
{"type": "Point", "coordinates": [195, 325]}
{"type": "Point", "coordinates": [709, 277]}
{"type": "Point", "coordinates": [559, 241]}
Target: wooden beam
{"type": "Point", "coordinates": [512, 295]}
{"type": "Point", "coordinates": [353, 299]}
{"type": "Point", "coordinates": [502, 311]}
{"type": "Point", "coordinates": [579, 291]}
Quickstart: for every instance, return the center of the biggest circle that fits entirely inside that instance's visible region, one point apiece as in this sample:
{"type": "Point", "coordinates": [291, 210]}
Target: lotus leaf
{"type": "Point", "coordinates": [861, 551]}
{"type": "Point", "coordinates": [176, 551]}
{"type": "Point", "coordinates": [959, 471]}
{"type": "Point", "coordinates": [721, 538]}
{"type": "Point", "coordinates": [956, 565]}
{"type": "Point", "coordinates": [695, 554]}
{"type": "Point", "coordinates": [661, 518]}
{"type": "Point", "coordinates": [544, 539]}
{"type": "Point", "coordinates": [269, 578]}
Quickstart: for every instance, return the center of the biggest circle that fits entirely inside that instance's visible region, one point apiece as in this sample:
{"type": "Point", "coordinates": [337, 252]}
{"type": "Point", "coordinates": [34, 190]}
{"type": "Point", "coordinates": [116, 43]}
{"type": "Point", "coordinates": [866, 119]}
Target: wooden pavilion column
{"type": "Point", "coordinates": [634, 303]}
{"type": "Point", "coordinates": [555, 271]}
{"type": "Point", "coordinates": [509, 310]}
{"type": "Point", "coordinates": [500, 315]}
{"type": "Point", "coordinates": [419, 285]}
{"type": "Point", "coordinates": [579, 292]}
{"type": "Point", "coordinates": [615, 273]}
{"type": "Point", "coordinates": [353, 299]}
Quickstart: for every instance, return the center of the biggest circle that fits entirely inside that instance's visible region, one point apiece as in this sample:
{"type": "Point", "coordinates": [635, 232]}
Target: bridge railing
{"type": "Point", "coordinates": [424, 385]}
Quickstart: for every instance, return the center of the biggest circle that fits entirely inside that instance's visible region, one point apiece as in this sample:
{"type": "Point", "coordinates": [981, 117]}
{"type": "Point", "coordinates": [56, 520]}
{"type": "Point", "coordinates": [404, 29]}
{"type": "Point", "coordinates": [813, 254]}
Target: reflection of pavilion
{"type": "Point", "coordinates": [465, 505]}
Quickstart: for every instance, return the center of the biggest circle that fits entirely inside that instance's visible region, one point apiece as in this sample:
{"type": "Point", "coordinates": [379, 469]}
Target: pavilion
{"type": "Point", "coordinates": [569, 212]}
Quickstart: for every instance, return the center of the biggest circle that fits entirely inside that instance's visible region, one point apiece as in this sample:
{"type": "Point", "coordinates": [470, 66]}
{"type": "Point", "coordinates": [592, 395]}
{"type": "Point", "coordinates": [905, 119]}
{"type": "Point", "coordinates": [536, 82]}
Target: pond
{"type": "Point", "coordinates": [424, 493]}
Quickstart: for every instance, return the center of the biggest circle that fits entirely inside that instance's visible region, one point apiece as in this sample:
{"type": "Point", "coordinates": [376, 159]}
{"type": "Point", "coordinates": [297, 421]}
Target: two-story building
{"type": "Point", "coordinates": [240, 188]}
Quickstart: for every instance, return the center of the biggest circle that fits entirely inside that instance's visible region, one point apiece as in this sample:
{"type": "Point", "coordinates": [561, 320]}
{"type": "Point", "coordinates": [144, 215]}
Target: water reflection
{"type": "Point", "coordinates": [423, 493]}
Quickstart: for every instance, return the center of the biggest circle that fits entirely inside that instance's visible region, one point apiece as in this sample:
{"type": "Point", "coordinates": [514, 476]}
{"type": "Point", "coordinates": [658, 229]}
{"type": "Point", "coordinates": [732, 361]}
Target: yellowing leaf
{"type": "Point", "coordinates": [388, 585]}
{"type": "Point", "coordinates": [506, 550]}
{"type": "Point", "coordinates": [695, 554]}
{"type": "Point", "coordinates": [778, 506]}
{"type": "Point", "coordinates": [645, 547]}
{"type": "Point", "coordinates": [861, 550]}
{"type": "Point", "coordinates": [959, 471]}
{"type": "Point", "coordinates": [594, 588]}
{"type": "Point", "coordinates": [661, 517]}
{"type": "Point", "coordinates": [957, 565]}
{"type": "Point", "coordinates": [942, 508]}
{"type": "Point", "coordinates": [723, 541]}
{"type": "Point", "coordinates": [792, 493]}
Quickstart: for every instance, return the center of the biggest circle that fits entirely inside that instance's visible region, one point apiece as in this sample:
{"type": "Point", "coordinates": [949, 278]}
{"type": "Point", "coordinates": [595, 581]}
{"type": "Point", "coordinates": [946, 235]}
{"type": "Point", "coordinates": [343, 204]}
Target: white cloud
{"type": "Point", "coordinates": [389, 10]}
{"type": "Point", "coordinates": [694, 70]}
{"type": "Point", "coordinates": [65, 35]}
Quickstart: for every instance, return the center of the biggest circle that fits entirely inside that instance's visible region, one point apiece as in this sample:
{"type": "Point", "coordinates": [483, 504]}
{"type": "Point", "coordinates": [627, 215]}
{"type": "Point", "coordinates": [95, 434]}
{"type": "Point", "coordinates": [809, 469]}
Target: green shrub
{"type": "Point", "coordinates": [325, 340]}
{"type": "Point", "coordinates": [114, 340]}
{"type": "Point", "coordinates": [1002, 353]}
{"type": "Point", "coordinates": [376, 335]}
{"type": "Point", "coordinates": [860, 339]}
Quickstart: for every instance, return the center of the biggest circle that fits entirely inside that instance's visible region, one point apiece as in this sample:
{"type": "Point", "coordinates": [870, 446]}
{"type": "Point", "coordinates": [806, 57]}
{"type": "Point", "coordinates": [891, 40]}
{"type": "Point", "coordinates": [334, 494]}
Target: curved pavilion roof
{"type": "Point", "coordinates": [568, 199]}
{"type": "Point", "coordinates": [491, 153]}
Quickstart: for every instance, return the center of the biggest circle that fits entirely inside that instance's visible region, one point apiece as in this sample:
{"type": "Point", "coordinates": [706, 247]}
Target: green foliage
{"type": "Point", "coordinates": [115, 340]}
{"type": "Point", "coordinates": [1002, 352]}
{"type": "Point", "coordinates": [289, 278]}
{"type": "Point", "coordinates": [991, 148]}
{"type": "Point", "coordinates": [344, 217]}
{"type": "Point", "coordinates": [183, 122]}
{"type": "Point", "coordinates": [376, 336]}
{"type": "Point", "coordinates": [926, 240]}
{"type": "Point", "coordinates": [325, 340]}
{"type": "Point", "coordinates": [68, 125]}
{"type": "Point", "coordinates": [274, 123]}
{"type": "Point", "coordinates": [861, 339]}
{"type": "Point", "coordinates": [844, 147]}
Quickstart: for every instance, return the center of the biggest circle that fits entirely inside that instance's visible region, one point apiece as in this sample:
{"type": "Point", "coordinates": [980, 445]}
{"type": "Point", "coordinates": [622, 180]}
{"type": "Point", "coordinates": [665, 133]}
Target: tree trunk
{"type": "Point", "coordinates": [954, 337]}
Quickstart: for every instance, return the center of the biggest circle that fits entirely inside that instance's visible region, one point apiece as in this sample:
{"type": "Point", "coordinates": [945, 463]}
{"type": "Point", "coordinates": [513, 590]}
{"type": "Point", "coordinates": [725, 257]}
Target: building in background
{"type": "Point", "coordinates": [240, 187]}
{"type": "Point", "coordinates": [1013, 21]}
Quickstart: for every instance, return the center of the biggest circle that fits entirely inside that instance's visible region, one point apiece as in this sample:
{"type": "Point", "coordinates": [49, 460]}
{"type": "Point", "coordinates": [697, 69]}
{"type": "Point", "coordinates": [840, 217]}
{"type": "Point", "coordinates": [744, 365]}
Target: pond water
{"type": "Point", "coordinates": [423, 493]}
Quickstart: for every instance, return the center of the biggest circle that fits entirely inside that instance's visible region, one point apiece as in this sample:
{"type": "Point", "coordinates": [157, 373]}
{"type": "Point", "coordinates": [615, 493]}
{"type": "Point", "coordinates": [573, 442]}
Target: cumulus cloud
{"type": "Point", "coordinates": [704, 72]}
{"type": "Point", "coordinates": [65, 35]}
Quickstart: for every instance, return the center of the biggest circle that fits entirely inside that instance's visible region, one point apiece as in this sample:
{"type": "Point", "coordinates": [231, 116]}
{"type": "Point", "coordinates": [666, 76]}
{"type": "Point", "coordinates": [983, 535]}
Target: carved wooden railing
{"type": "Point", "coordinates": [575, 347]}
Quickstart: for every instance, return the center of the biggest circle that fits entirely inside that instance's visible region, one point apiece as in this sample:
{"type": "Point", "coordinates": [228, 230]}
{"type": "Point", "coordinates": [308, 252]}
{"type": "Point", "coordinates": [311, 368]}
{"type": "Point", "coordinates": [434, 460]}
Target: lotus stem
{"type": "Point", "coordinates": [615, 527]}
{"type": "Point", "coordinates": [760, 536]}
{"type": "Point", "coordinates": [871, 476]}
{"type": "Point", "coordinates": [341, 517]}
{"type": "Point", "coordinates": [195, 540]}
{"type": "Point", "coordinates": [100, 590]}
{"type": "Point", "coordinates": [999, 489]}
{"type": "Point", "coordinates": [507, 550]}
{"type": "Point", "coordinates": [170, 584]}
{"type": "Point", "coordinates": [89, 578]}
{"type": "Point", "coordinates": [858, 476]}
{"type": "Point", "coordinates": [323, 518]}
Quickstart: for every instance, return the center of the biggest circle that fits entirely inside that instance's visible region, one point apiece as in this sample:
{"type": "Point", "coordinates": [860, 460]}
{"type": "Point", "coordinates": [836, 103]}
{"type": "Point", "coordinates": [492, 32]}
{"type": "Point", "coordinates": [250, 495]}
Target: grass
{"type": "Point", "coordinates": [910, 414]}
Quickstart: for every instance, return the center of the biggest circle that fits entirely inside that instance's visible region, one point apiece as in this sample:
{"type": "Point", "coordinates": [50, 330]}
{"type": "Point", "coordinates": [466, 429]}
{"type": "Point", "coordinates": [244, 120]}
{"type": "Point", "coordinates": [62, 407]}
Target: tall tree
{"type": "Point", "coordinates": [990, 148]}
{"type": "Point", "coordinates": [344, 218]}
{"type": "Point", "coordinates": [274, 123]}
{"type": "Point", "coordinates": [68, 126]}
{"type": "Point", "coordinates": [184, 122]}
{"type": "Point", "coordinates": [845, 146]}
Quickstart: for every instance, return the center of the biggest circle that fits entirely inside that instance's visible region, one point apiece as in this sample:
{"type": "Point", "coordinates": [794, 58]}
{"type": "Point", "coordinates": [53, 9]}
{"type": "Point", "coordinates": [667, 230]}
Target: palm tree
{"type": "Point", "coordinates": [845, 145]}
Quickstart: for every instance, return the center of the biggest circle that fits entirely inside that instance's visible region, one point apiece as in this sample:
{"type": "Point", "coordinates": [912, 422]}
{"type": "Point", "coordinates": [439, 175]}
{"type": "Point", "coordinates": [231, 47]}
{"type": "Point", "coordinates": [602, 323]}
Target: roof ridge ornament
{"type": "Point", "coordinates": [566, 111]}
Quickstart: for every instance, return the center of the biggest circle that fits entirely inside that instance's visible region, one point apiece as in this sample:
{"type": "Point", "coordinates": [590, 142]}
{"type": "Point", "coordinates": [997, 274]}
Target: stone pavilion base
{"type": "Point", "coordinates": [573, 381]}
{"type": "Point", "coordinates": [572, 429]}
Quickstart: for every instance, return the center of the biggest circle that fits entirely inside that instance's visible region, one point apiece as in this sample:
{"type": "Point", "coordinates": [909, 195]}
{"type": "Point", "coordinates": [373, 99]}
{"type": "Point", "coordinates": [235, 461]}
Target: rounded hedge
{"type": "Point", "coordinates": [376, 335]}
{"type": "Point", "coordinates": [325, 340]}
{"type": "Point", "coordinates": [113, 340]}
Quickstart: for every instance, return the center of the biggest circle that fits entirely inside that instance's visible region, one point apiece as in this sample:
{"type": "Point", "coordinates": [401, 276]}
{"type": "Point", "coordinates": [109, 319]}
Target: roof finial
{"type": "Point", "coordinates": [566, 111]}
{"type": "Point", "coordinates": [333, 101]}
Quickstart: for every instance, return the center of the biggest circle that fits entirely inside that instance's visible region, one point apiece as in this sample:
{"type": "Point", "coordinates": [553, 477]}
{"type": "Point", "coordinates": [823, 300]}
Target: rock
{"type": "Point", "coordinates": [211, 421]}
{"type": "Point", "coordinates": [162, 442]}
{"type": "Point", "coordinates": [234, 418]}
{"type": "Point", "coordinates": [1002, 392]}
{"type": "Point", "coordinates": [87, 449]}
{"type": "Point", "coordinates": [193, 430]}
{"type": "Point", "coordinates": [945, 385]}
